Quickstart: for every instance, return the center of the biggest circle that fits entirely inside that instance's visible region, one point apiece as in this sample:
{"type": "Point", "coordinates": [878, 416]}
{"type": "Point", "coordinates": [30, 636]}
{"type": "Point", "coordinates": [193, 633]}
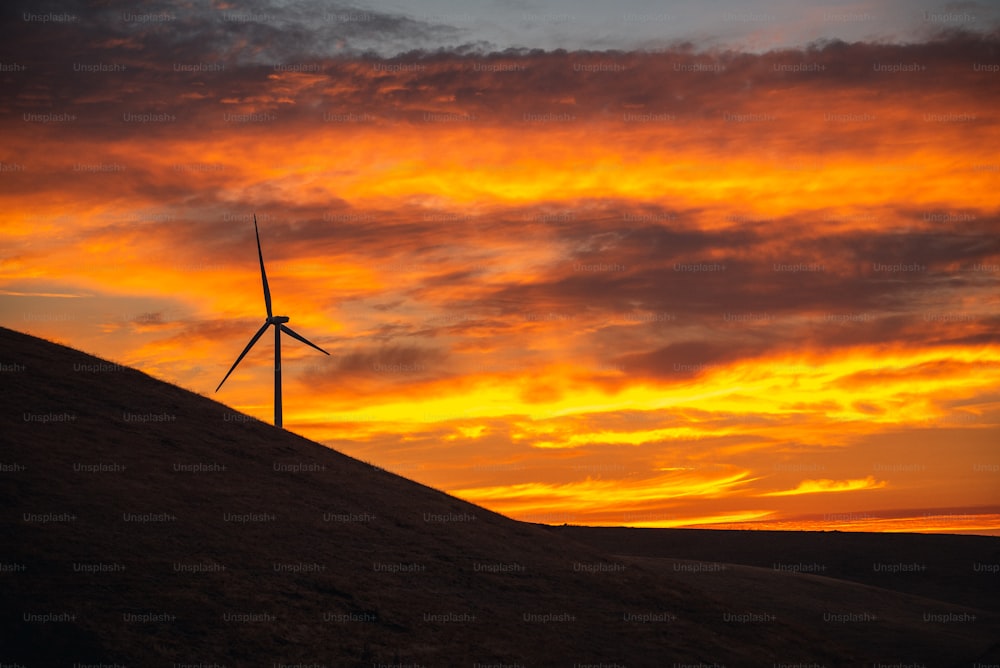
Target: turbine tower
{"type": "Point", "coordinates": [278, 321]}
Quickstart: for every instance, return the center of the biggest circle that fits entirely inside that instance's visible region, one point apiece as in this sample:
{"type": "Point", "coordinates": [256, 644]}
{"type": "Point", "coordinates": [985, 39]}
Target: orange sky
{"type": "Point", "coordinates": [696, 291]}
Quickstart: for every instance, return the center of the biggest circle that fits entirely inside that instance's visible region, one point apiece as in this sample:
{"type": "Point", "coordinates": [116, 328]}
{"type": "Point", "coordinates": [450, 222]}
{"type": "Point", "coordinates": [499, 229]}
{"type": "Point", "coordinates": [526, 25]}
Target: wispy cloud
{"type": "Point", "coordinates": [823, 486]}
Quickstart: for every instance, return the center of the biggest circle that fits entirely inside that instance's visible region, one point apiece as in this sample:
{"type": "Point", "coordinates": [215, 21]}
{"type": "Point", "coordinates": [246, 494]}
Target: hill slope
{"type": "Point", "coordinates": [146, 525]}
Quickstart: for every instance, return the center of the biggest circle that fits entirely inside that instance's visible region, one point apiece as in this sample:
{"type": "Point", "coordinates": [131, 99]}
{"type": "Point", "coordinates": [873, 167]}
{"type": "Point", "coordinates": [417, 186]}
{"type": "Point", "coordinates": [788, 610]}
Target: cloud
{"type": "Point", "coordinates": [59, 295]}
{"type": "Point", "coordinates": [822, 486]}
{"type": "Point", "coordinates": [389, 359]}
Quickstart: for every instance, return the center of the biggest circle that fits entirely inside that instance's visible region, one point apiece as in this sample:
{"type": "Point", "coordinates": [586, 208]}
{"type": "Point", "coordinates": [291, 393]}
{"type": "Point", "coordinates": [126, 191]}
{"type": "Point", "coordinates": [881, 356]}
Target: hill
{"type": "Point", "coordinates": [960, 569]}
{"type": "Point", "coordinates": [144, 525]}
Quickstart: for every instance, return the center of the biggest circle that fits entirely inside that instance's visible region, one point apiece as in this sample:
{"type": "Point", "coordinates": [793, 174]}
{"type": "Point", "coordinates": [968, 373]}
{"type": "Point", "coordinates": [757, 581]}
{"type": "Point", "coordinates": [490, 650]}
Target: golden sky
{"type": "Point", "coordinates": [680, 287]}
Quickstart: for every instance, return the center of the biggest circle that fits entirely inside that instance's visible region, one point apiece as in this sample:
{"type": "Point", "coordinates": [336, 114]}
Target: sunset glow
{"type": "Point", "coordinates": [713, 286]}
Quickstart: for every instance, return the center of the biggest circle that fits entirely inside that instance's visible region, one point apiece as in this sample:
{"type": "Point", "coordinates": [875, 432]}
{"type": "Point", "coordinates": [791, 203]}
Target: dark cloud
{"type": "Point", "coordinates": [392, 359]}
{"type": "Point", "coordinates": [252, 32]}
{"type": "Point", "coordinates": [684, 359]}
{"type": "Point", "coordinates": [202, 62]}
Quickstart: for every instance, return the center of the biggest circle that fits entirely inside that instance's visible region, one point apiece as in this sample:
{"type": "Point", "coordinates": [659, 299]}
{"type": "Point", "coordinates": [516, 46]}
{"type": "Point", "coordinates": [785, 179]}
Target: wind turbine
{"type": "Point", "coordinates": [278, 321]}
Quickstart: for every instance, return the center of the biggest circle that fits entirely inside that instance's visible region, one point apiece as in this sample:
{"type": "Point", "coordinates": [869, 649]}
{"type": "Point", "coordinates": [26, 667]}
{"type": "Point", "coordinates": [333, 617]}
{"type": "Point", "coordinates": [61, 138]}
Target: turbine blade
{"type": "Point", "coordinates": [260, 332]}
{"type": "Point", "coordinates": [263, 276]}
{"type": "Point", "coordinates": [290, 332]}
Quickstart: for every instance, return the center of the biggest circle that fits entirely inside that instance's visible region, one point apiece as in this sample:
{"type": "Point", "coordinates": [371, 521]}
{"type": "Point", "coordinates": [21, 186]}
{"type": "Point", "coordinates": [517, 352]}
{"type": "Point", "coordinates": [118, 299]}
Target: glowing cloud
{"type": "Point", "coordinates": [823, 486]}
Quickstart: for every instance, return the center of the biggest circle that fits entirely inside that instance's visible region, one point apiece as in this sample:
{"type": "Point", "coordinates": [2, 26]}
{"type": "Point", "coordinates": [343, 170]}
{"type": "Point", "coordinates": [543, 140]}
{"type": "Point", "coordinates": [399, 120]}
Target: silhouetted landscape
{"type": "Point", "coordinates": [144, 525]}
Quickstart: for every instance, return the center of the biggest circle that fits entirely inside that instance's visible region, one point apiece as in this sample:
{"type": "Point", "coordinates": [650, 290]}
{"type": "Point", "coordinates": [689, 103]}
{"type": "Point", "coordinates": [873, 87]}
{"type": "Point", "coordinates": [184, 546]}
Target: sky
{"type": "Point", "coordinates": [708, 264]}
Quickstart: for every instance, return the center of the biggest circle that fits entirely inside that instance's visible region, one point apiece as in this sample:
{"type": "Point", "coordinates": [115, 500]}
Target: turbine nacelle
{"type": "Point", "coordinates": [277, 319]}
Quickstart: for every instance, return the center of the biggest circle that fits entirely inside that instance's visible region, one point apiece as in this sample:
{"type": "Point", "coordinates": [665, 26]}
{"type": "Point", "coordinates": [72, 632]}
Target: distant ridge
{"type": "Point", "coordinates": [960, 569]}
{"type": "Point", "coordinates": [146, 525]}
